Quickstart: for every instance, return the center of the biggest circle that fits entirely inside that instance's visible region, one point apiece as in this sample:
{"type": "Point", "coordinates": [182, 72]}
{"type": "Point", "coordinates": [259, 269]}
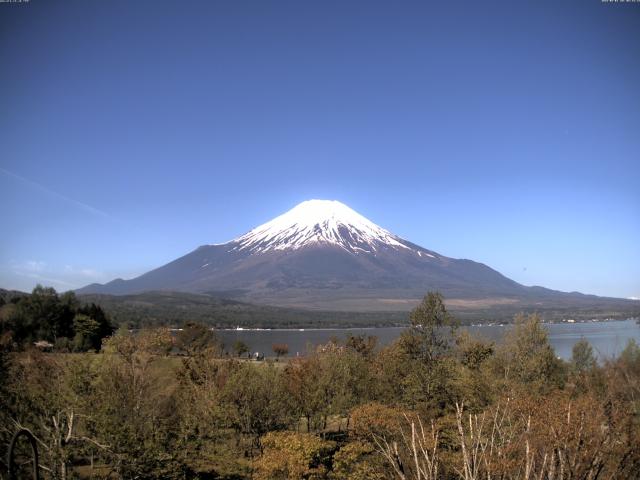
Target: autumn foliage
{"type": "Point", "coordinates": [438, 404]}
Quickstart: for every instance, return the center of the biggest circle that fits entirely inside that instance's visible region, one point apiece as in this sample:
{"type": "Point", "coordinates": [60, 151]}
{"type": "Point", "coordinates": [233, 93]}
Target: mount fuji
{"type": "Point", "coordinates": [323, 255]}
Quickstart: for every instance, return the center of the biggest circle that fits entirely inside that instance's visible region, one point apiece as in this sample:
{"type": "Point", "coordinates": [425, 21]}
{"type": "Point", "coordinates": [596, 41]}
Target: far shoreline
{"type": "Point", "coordinates": [378, 327]}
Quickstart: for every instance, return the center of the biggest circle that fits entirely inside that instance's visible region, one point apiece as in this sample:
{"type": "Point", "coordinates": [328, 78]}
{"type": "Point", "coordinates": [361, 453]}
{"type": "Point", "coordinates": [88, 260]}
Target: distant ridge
{"type": "Point", "coordinates": [323, 255]}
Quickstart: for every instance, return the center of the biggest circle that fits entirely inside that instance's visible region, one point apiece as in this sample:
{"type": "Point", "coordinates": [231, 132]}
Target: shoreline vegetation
{"type": "Point", "coordinates": [488, 324]}
{"type": "Point", "coordinates": [174, 309]}
{"type": "Point", "coordinates": [437, 404]}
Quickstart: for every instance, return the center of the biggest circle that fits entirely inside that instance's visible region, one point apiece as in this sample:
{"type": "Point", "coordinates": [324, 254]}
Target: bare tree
{"type": "Point", "coordinates": [417, 456]}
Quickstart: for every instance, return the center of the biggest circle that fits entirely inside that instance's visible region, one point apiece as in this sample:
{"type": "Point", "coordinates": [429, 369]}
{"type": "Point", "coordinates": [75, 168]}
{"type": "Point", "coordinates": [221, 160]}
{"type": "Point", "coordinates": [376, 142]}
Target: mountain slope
{"type": "Point", "coordinates": [323, 255]}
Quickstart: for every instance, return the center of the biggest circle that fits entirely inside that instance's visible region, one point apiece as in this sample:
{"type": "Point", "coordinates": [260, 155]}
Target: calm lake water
{"type": "Point", "coordinates": [608, 339]}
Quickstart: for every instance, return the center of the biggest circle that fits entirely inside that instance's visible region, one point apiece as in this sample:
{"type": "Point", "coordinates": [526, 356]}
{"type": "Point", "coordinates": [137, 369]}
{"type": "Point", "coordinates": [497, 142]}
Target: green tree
{"type": "Point", "coordinates": [256, 401]}
{"type": "Point", "coordinates": [527, 357]}
{"type": "Point", "coordinates": [50, 396]}
{"type": "Point", "coordinates": [196, 337]}
{"type": "Point", "coordinates": [134, 408]}
{"type": "Point", "coordinates": [12, 325]}
{"type": "Point", "coordinates": [55, 318]}
{"type": "Point", "coordinates": [305, 389]}
{"type": "Point", "coordinates": [432, 329]}
{"type": "Point", "coordinates": [472, 380]}
{"type": "Point", "coordinates": [344, 382]}
{"type": "Point", "coordinates": [240, 348]}
{"type": "Point", "coordinates": [582, 358]}
{"type": "Point", "coordinates": [45, 315]}
{"type": "Point", "coordinates": [427, 351]}
{"type": "Point", "coordinates": [105, 327]}
{"type": "Point", "coordinates": [631, 355]}
{"type": "Point", "coordinates": [87, 335]}
{"type": "Point", "coordinates": [473, 352]}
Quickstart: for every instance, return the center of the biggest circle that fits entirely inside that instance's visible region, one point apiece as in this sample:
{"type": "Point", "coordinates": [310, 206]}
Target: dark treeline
{"type": "Point", "coordinates": [153, 309]}
{"type": "Point", "coordinates": [46, 317]}
{"type": "Point", "coordinates": [175, 309]}
{"type": "Point", "coordinates": [436, 404]}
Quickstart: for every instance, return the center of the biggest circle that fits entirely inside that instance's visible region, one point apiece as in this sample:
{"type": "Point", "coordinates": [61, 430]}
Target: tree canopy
{"type": "Point", "coordinates": [58, 319]}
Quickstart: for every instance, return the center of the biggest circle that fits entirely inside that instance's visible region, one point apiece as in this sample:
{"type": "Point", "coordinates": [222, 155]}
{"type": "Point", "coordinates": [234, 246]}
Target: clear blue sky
{"type": "Point", "coordinates": [503, 132]}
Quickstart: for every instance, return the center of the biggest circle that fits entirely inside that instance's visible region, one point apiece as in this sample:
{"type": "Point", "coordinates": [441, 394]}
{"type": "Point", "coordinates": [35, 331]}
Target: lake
{"type": "Point", "coordinates": [608, 338]}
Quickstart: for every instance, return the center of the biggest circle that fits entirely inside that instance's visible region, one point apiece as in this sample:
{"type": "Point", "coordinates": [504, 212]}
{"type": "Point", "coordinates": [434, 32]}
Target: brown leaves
{"type": "Point", "coordinates": [375, 419]}
{"type": "Point", "coordinates": [550, 437]}
{"type": "Point", "coordinates": [293, 456]}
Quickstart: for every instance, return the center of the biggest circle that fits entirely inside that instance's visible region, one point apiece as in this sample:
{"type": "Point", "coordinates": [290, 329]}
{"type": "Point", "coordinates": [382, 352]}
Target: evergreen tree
{"type": "Point", "coordinates": [630, 356]}
{"type": "Point", "coordinates": [87, 335]}
{"type": "Point", "coordinates": [103, 327]}
{"type": "Point", "coordinates": [432, 329]}
{"type": "Point", "coordinates": [582, 358]}
{"type": "Point", "coordinates": [45, 315]}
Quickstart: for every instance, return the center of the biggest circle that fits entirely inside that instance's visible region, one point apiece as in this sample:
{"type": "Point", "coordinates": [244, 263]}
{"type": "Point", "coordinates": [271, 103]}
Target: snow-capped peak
{"type": "Point", "coordinates": [319, 222]}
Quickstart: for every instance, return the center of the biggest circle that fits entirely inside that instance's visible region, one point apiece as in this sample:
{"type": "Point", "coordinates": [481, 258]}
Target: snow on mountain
{"type": "Point", "coordinates": [321, 254]}
{"type": "Point", "coordinates": [319, 222]}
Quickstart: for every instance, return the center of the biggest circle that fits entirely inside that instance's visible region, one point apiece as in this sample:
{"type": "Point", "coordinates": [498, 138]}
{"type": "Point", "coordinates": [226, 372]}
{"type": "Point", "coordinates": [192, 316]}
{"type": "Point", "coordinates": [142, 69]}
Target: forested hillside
{"type": "Point", "coordinates": [176, 308]}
